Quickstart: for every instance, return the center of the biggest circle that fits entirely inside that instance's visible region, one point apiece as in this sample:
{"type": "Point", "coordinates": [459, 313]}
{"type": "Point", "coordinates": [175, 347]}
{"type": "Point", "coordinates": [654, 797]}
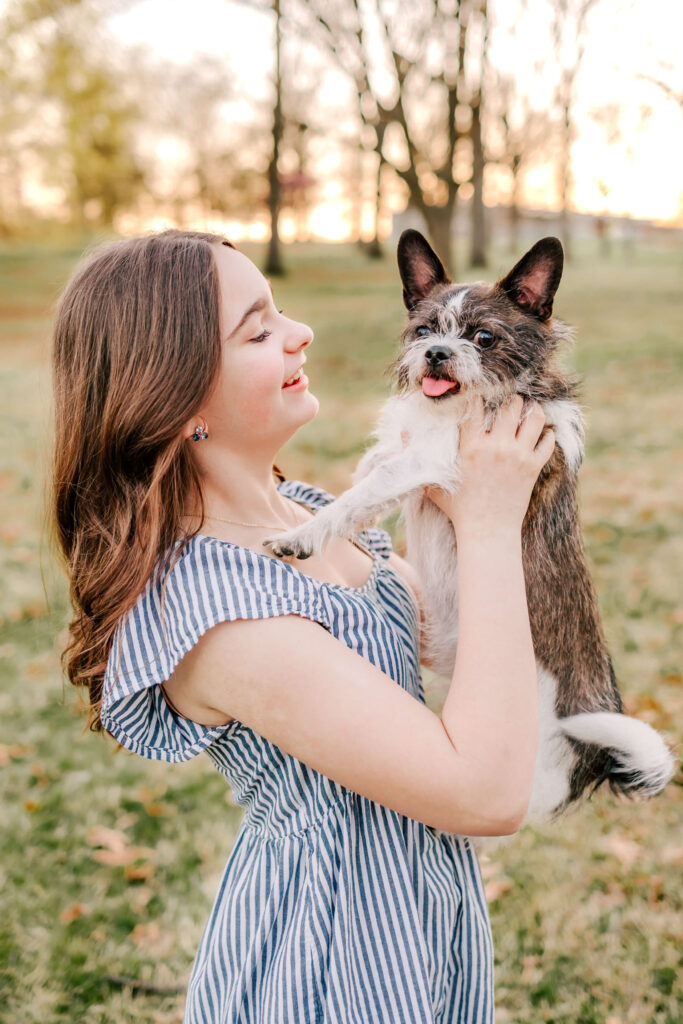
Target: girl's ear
{"type": "Point", "coordinates": [532, 283]}
{"type": "Point", "coordinates": [419, 266]}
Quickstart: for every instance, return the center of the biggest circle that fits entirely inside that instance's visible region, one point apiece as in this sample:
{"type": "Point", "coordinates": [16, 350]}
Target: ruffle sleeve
{"type": "Point", "coordinates": [211, 582]}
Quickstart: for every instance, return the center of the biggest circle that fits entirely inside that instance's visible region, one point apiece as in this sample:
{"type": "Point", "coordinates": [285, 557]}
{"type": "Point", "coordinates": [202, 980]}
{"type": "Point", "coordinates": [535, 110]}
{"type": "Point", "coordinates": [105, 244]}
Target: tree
{"type": "Point", "coordinates": [76, 129]}
{"type": "Point", "coordinates": [478, 238]}
{"type": "Point", "coordinates": [519, 133]}
{"type": "Point", "coordinates": [408, 67]}
{"type": "Point", "coordinates": [568, 32]}
{"type": "Point", "coordinates": [274, 259]}
{"type": "Point", "coordinates": [98, 165]}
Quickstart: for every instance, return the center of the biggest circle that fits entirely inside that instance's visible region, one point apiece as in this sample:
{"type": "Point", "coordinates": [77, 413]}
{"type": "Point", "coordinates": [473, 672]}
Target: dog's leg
{"type": "Point", "coordinates": [384, 486]}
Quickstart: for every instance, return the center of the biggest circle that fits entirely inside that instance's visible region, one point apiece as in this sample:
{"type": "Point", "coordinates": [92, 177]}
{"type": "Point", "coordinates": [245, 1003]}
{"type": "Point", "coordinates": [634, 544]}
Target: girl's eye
{"type": "Point", "coordinates": [263, 336]}
{"type": "Point", "coordinates": [485, 339]}
{"type": "Point", "coordinates": [422, 331]}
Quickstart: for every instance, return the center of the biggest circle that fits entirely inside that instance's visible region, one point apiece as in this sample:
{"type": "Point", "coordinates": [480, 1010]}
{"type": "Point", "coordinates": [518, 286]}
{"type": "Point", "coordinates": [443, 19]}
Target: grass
{"type": "Point", "coordinates": [109, 866]}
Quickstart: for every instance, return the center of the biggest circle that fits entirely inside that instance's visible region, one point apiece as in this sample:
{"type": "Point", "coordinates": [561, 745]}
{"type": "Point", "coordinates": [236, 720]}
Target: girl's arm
{"type": "Point", "coordinates": [468, 772]}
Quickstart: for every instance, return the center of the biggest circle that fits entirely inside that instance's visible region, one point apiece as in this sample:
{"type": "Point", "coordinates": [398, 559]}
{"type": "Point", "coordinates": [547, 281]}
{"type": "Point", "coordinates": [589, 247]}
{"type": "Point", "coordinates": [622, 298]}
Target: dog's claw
{"type": "Point", "coordinates": [281, 550]}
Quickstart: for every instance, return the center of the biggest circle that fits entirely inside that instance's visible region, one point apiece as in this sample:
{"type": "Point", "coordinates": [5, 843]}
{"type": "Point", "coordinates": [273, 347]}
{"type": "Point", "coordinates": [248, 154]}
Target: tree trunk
{"type": "Point", "coordinates": [514, 205]}
{"type": "Point", "coordinates": [374, 246]}
{"type": "Point", "coordinates": [565, 181]}
{"type": "Point", "coordinates": [439, 225]}
{"type": "Point", "coordinates": [478, 240]}
{"type": "Point", "coordinates": [274, 264]}
{"type": "Point", "coordinates": [356, 197]}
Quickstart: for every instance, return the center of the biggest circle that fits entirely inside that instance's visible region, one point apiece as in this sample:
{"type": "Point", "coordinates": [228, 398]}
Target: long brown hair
{"type": "Point", "coordinates": [136, 350]}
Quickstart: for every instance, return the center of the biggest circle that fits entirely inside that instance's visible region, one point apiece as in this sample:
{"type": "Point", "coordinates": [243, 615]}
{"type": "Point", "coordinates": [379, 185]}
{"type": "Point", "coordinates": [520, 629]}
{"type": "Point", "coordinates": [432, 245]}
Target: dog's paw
{"type": "Point", "coordinates": [295, 542]}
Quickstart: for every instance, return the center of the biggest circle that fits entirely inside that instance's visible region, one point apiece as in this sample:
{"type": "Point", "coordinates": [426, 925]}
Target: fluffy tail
{"type": "Point", "coordinates": [640, 761]}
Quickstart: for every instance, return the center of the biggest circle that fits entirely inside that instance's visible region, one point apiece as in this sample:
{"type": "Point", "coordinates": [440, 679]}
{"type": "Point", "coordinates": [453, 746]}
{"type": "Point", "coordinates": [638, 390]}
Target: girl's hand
{"type": "Point", "coordinates": [499, 469]}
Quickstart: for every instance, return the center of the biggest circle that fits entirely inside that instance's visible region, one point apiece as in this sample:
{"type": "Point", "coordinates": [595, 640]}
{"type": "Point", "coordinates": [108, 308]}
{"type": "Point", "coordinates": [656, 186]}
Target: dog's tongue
{"type": "Point", "coordinates": [435, 387]}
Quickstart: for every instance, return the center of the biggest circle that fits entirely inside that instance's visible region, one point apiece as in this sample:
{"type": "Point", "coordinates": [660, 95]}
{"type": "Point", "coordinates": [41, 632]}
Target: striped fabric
{"type": "Point", "coordinates": [332, 909]}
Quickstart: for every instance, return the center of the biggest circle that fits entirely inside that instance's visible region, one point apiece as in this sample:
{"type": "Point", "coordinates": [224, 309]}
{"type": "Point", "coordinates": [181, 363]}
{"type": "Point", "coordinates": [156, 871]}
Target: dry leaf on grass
{"type": "Point", "coordinates": [73, 912]}
{"type": "Point", "coordinates": [116, 852]}
{"type": "Point", "coordinates": [152, 938]}
{"type": "Point", "coordinates": [140, 872]}
{"type": "Point", "coordinates": [495, 889]}
{"type": "Point", "coordinates": [623, 848]}
{"type": "Point", "coordinates": [112, 839]}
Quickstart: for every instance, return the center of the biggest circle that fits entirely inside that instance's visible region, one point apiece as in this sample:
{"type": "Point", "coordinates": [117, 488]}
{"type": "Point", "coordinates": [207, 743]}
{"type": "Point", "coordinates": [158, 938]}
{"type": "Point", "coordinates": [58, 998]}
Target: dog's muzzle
{"type": "Point", "coordinates": [435, 382]}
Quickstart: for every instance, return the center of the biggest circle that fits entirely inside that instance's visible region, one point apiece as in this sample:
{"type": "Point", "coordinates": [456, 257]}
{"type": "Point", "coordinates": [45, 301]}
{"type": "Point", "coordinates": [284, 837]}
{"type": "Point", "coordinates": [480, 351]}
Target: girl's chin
{"type": "Point", "coordinates": [307, 405]}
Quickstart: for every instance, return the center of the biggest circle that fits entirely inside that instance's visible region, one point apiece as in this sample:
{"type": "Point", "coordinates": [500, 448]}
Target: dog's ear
{"type": "Point", "coordinates": [419, 266]}
{"type": "Point", "coordinates": [532, 283]}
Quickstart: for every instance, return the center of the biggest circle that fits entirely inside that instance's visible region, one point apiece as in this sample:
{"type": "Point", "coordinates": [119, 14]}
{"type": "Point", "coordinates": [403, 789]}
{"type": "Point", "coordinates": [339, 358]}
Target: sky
{"type": "Point", "coordinates": [625, 37]}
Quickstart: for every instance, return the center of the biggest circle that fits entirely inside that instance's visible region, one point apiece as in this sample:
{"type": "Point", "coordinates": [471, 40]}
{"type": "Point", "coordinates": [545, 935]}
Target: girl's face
{"type": "Point", "coordinates": [250, 407]}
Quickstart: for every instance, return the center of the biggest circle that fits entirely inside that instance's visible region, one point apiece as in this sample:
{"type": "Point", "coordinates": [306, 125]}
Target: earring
{"type": "Point", "coordinates": [199, 433]}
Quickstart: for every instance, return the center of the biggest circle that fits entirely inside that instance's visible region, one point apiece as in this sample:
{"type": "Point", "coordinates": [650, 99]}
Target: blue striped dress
{"type": "Point", "coordinates": [332, 909]}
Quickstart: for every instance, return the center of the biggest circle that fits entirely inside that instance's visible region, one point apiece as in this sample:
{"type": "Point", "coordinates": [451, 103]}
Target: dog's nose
{"type": "Point", "coordinates": [437, 355]}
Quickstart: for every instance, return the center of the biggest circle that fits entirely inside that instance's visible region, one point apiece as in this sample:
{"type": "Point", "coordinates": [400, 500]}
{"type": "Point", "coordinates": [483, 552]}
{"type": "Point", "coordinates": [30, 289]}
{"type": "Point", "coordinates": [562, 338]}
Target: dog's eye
{"type": "Point", "coordinates": [485, 339]}
{"type": "Point", "coordinates": [422, 331]}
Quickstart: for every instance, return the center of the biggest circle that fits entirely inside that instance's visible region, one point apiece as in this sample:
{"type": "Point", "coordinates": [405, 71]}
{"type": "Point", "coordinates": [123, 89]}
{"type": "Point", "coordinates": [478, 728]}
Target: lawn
{"type": "Point", "coordinates": [110, 863]}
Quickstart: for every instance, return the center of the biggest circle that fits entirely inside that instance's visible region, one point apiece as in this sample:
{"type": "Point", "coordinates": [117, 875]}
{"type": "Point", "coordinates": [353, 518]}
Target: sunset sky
{"type": "Point", "coordinates": [626, 37]}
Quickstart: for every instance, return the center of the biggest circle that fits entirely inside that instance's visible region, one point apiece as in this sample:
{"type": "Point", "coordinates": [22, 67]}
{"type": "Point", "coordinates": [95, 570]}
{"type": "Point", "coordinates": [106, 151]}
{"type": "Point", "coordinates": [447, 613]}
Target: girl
{"type": "Point", "coordinates": [351, 895]}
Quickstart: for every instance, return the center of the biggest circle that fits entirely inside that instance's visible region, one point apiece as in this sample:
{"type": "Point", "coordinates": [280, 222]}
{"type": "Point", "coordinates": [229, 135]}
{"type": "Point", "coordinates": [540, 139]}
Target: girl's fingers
{"type": "Point", "coordinates": [532, 424]}
{"type": "Point", "coordinates": [545, 447]}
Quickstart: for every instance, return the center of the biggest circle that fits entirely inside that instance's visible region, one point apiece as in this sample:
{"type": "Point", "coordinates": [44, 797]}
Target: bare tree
{"type": "Point", "coordinates": [478, 237]}
{"type": "Point", "coordinates": [568, 31]}
{"type": "Point", "coordinates": [408, 67]}
{"type": "Point", "coordinates": [274, 265]}
{"type": "Point", "coordinates": [660, 80]}
{"type": "Point", "coordinates": [520, 133]}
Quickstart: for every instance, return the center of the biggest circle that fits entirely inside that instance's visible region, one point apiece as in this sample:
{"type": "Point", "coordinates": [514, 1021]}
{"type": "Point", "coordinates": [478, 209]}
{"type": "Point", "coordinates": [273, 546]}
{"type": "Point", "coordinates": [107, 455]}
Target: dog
{"type": "Point", "coordinates": [461, 344]}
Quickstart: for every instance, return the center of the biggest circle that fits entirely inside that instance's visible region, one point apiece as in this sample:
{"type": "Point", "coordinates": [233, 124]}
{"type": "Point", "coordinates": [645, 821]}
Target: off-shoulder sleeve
{"type": "Point", "coordinates": [377, 540]}
{"type": "Point", "coordinates": [210, 583]}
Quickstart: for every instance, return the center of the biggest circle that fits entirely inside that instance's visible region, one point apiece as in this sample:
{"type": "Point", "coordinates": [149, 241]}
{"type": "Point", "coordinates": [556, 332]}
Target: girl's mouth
{"type": "Point", "coordinates": [297, 379]}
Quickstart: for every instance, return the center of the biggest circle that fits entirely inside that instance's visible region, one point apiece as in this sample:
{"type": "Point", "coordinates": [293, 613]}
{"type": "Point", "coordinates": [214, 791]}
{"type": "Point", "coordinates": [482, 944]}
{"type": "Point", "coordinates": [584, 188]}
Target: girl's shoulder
{"type": "Point", "coordinates": [202, 582]}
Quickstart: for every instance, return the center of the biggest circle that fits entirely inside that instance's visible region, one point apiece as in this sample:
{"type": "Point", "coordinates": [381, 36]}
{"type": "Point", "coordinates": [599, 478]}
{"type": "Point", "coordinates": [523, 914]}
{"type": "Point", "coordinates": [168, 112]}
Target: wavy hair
{"type": "Point", "coordinates": [136, 350]}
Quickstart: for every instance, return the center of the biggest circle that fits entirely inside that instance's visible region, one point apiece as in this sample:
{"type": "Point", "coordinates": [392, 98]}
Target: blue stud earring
{"type": "Point", "coordinates": [199, 433]}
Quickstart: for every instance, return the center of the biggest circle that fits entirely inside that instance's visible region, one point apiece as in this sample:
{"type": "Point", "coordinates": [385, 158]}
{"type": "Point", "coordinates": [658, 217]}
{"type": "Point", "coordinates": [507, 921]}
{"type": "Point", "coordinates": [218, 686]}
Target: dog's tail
{"type": "Point", "coordinates": [638, 760]}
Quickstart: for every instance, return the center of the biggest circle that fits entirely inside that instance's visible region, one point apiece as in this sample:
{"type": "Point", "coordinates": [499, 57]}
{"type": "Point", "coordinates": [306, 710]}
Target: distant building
{"type": "Point", "coordinates": [533, 224]}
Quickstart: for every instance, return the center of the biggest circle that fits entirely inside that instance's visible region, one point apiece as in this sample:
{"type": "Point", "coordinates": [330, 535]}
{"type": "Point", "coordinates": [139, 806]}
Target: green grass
{"type": "Point", "coordinates": [586, 913]}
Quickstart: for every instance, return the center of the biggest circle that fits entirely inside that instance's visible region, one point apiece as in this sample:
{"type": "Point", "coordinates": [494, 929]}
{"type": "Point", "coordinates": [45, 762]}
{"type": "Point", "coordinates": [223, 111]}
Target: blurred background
{"type": "Point", "coordinates": [312, 133]}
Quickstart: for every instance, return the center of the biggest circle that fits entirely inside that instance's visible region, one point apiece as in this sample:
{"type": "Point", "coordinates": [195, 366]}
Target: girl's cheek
{"type": "Point", "coordinates": [255, 400]}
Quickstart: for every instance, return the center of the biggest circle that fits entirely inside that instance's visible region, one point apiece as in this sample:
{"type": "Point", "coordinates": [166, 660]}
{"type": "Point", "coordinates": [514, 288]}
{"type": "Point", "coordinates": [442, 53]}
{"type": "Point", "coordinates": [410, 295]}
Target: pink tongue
{"type": "Point", "coordinates": [433, 387]}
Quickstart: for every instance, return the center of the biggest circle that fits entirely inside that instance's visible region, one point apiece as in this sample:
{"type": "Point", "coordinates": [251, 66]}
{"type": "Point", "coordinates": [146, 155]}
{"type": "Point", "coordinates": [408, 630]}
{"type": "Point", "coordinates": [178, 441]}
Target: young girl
{"type": "Point", "coordinates": [351, 895]}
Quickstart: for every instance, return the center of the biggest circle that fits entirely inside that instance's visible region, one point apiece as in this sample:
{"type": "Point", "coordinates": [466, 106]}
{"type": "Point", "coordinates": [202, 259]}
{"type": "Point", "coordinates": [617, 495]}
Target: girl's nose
{"type": "Point", "coordinates": [299, 337]}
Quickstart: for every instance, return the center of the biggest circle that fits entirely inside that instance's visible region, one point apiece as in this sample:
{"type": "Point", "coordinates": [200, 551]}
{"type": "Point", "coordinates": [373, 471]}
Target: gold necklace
{"type": "Point", "coordinates": [235, 522]}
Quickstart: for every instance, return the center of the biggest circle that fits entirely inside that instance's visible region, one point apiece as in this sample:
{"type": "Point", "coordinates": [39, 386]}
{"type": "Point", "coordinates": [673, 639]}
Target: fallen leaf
{"type": "Point", "coordinates": [140, 873]}
{"type": "Point", "coordinates": [140, 898]}
{"type": "Point", "coordinates": [20, 750]}
{"type": "Point", "coordinates": [495, 889]}
{"type": "Point", "coordinates": [121, 857]}
{"type": "Point", "coordinates": [110, 838]}
{"type": "Point", "coordinates": [150, 937]}
{"type": "Point", "coordinates": [73, 912]}
{"type": "Point", "coordinates": [623, 848]}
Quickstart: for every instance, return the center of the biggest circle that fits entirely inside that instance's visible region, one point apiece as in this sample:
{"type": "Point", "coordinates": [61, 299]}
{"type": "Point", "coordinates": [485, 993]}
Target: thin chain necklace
{"type": "Point", "coordinates": [235, 522]}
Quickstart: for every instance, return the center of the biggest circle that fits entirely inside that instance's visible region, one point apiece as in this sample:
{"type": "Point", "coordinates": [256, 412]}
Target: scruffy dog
{"type": "Point", "coordinates": [463, 343]}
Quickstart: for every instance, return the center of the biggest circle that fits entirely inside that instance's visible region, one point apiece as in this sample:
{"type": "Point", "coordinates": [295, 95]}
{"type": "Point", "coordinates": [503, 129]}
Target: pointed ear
{"type": "Point", "coordinates": [532, 283]}
{"type": "Point", "coordinates": [419, 266]}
